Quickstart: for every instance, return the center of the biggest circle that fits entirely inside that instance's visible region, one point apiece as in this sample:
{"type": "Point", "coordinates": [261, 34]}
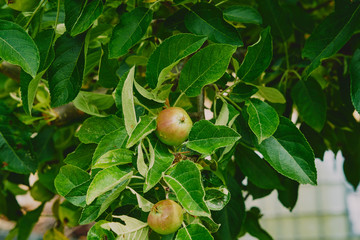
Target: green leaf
{"type": "Point", "coordinates": [310, 101]}
{"type": "Point", "coordinates": [114, 140]}
{"type": "Point", "coordinates": [232, 216]}
{"type": "Point", "coordinates": [168, 54]}
{"type": "Point", "coordinates": [114, 157]}
{"type": "Point", "coordinates": [106, 180]}
{"type": "Point", "coordinates": [131, 28]}
{"type": "Point", "coordinates": [242, 14]}
{"type": "Point", "coordinates": [289, 153]}
{"type": "Point", "coordinates": [355, 80]}
{"type": "Point", "coordinates": [217, 198]}
{"type": "Point", "coordinates": [193, 232]}
{"type": "Point", "coordinates": [185, 181]}
{"type": "Point", "coordinates": [330, 36]}
{"type": "Point", "coordinates": [223, 117]}
{"type": "Point", "coordinates": [54, 234]}
{"type": "Point", "coordinates": [82, 156]}
{"type": "Point", "coordinates": [72, 183]}
{"type": "Point", "coordinates": [140, 161]}
{"type": "Point", "coordinates": [205, 67]}
{"type": "Point", "coordinates": [161, 162]}
{"type": "Point", "coordinates": [257, 58]}
{"type": "Point", "coordinates": [146, 126]}
{"type": "Point", "coordinates": [277, 18]}
{"type": "Point", "coordinates": [107, 70]}
{"type": "Point", "coordinates": [242, 92]}
{"type": "Point", "coordinates": [253, 166]}
{"type": "Point", "coordinates": [100, 231]}
{"type": "Point", "coordinates": [12, 161]}
{"type": "Point", "coordinates": [127, 99]}
{"type": "Point", "coordinates": [149, 95]}
{"type": "Point", "coordinates": [263, 119]}
{"type": "Point", "coordinates": [28, 84]}
{"type": "Point", "coordinates": [17, 47]}
{"type": "Point", "coordinates": [66, 72]}
{"type": "Point", "coordinates": [143, 203]}
{"type": "Point", "coordinates": [94, 129]}
{"type": "Point", "coordinates": [271, 94]}
{"type": "Point", "coordinates": [91, 212]}
{"type": "Point", "coordinates": [132, 229]}
{"type": "Point", "coordinates": [93, 103]}
{"type": "Point", "coordinates": [27, 222]}
{"type": "Point", "coordinates": [89, 13]}
{"type": "Point", "coordinates": [206, 19]}
{"type": "Point", "coordinates": [252, 225]}
{"type": "Point", "coordinates": [289, 195]}
{"type": "Point", "coordinates": [206, 137]}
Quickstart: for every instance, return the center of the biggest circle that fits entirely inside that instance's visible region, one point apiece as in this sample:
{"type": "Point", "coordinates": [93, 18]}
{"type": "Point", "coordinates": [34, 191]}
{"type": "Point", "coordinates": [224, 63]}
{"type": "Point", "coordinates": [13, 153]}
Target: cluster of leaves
{"type": "Point", "coordinates": [256, 65]}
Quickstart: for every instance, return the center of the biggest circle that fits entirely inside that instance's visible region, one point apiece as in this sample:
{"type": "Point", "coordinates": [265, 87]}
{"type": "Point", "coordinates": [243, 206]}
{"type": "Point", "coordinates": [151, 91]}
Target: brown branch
{"type": "Point", "coordinates": [10, 70]}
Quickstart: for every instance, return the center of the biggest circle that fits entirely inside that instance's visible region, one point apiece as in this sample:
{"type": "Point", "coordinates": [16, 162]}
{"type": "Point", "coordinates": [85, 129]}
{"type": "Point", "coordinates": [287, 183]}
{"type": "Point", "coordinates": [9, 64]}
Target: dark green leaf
{"type": "Point", "coordinates": [12, 161]}
{"type": "Point", "coordinates": [253, 227]}
{"type": "Point", "coordinates": [242, 92]}
{"type": "Point", "coordinates": [193, 232]}
{"type": "Point", "coordinates": [232, 216]}
{"type": "Point", "coordinates": [263, 119]}
{"type": "Point", "coordinates": [205, 137]}
{"type": "Point", "coordinates": [95, 128]}
{"type": "Point", "coordinates": [168, 54]}
{"type": "Point", "coordinates": [107, 71]}
{"type": "Point", "coordinates": [27, 222]}
{"type": "Point", "coordinates": [288, 196]}
{"type": "Point", "coordinates": [257, 58]}
{"type": "Point", "coordinates": [82, 156]}
{"type": "Point", "coordinates": [97, 232]}
{"type": "Point", "coordinates": [315, 139]}
{"type": "Point", "coordinates": [205, 67]}
{"type": "Point", "coordinates": [206, 19]}
{"type": "Point", "coordinates": [131, 28]}
{"type": "Point", "coordinates": [289, 153]}
{"type": "Point", "coordinates": [89, 13]}
{"type": "Point", "coordinates": [17, 47]}
{"type": "Point", "coordinates": [29, 84]}
{"type": "Point", "coordinates": [256, 169]}
{"type": "Point", "coordinates": [217, 198]}
{"type": "Point", "coordinates": [114, 140]}
{"type": "Point", "coordinates": [66, 72]}
{"type": "Point", "coordinates": [72, 183]}
{"type": "Point", "coordinates": [185, 181]}
{"type": "Point", "coordinates": [242, 14]}
{"type": "Point", "coordinates": [355, 80]}
{"type": "Point", "coordinates": [162, 161]}
{"type": "Point", "coordinates": [310, 101]}
{"type": "Point", "coordinates": [330, 36]}
{"type": "Point", "coordinates": [277, 18]}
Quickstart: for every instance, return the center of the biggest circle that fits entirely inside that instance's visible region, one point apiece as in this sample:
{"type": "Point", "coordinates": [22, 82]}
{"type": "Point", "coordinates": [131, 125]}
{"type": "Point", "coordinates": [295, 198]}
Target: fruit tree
{"type": "Point", "coordinates": [161, 119]}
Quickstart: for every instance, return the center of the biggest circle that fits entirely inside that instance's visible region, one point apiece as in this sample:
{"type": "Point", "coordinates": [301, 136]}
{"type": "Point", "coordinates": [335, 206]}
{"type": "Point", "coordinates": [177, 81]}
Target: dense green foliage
{"type": "Point", "coordinates": [278, 79]}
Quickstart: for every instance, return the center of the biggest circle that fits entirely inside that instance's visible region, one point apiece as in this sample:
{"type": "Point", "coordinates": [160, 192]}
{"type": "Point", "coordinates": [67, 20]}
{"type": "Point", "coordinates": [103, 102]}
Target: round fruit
{"type": "Point", "coordinates": [165, 217]}
{"type": "Point", "coordinates": [40, 193]}
{"type": "Point", "coordinates": [22, 5]}
{"type": "Point", "coordinates": [173, 126]}
{"type": "Point", "coordinates": [69, 214]}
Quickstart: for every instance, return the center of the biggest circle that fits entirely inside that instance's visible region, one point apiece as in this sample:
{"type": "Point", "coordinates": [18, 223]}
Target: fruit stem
{"type": "Point", "coordinates": [33, 14]}
{"type": "Point", "coordinates": [178, 99]}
